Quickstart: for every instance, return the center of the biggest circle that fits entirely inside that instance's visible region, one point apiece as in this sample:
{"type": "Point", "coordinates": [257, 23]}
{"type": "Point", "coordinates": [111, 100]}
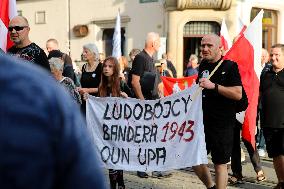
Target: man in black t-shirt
{"type": "Point", "coordinates": [144, 76]}
{"type": "Point", "coordinates": [272, 101]}
{"type": "Point", "coordinates": [23, 48]}
{"type": "Point", "coordinates": [143, 69]}
{"type": "Point", "coordinates": [219, 97]}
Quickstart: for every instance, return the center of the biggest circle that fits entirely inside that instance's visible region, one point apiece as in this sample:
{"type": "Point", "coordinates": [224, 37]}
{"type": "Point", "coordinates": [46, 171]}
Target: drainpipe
{"type": "Point", "coordinates": [69, 27]}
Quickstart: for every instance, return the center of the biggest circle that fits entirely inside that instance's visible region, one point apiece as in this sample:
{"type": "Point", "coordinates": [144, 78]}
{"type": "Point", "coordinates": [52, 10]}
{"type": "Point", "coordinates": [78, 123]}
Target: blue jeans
{"type": "Point", "coordinates": [260, 139]}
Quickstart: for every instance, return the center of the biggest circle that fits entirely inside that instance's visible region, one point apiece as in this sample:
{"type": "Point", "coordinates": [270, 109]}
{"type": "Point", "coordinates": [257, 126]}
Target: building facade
{"type": "Point", "coordinates": [180, 23]}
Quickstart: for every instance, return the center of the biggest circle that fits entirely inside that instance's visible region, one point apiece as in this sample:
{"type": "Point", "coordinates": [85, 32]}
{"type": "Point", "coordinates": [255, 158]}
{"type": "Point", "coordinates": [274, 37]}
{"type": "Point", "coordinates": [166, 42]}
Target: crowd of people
{"type": "Point", "coordinates": [51, 146]}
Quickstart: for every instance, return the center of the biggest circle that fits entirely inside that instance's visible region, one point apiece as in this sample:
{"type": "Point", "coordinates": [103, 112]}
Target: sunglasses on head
{"type": "Point", "coordinates": [17, 28]}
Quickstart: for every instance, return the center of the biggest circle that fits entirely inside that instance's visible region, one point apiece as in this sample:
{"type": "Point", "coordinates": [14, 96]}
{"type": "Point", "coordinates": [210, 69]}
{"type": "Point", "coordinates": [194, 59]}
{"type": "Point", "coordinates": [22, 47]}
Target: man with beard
{"type": "Point", "coordinates": [23, 48]}
{"type": "Point", "coordinates": [219, 96]}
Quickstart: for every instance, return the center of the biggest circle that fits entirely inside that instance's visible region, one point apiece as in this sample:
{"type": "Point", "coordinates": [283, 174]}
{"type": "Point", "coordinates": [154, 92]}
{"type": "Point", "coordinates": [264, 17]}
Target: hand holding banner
{"type": "Point", "coordinates": [148, 135]}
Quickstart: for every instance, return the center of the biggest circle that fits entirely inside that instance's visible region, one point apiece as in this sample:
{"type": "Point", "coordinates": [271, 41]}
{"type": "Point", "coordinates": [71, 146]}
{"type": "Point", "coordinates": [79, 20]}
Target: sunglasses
{"type": "Point", "coordinates": [17, 28]}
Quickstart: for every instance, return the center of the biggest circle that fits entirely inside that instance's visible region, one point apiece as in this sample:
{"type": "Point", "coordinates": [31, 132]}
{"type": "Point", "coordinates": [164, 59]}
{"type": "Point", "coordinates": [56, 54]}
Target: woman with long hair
{"type": "Point", "coordinates": [112, 86]}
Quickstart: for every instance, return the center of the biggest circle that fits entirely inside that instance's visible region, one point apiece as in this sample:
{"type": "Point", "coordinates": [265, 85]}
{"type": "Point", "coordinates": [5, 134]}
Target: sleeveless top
{"type": "Point", "coordinates": [91, 79]}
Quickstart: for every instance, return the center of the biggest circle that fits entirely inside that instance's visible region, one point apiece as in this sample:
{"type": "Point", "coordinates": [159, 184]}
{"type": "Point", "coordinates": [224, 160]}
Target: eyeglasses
{"type": "Point", "coordinates": [17, 28]}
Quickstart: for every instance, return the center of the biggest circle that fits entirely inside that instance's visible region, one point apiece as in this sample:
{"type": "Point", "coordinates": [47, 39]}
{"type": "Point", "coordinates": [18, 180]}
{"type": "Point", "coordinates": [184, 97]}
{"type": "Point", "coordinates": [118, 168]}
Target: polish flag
{"type": "Point", "coordinates": [225, 38]}
{"type": "Point", "coordinates": [241, 26]}
{"type": "Point", "coordinates": [8, 10]}
{"type": "Point", "coordinates": [246, 52]}
{"type": "Point", "coordinates": [173, 85]}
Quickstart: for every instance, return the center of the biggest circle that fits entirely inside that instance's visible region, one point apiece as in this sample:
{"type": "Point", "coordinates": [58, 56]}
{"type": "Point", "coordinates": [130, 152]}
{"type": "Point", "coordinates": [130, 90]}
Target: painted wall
{"type": "Point", "coordinates": [144, 17]}
{"type": "Point", "coordinates": [56, 21]}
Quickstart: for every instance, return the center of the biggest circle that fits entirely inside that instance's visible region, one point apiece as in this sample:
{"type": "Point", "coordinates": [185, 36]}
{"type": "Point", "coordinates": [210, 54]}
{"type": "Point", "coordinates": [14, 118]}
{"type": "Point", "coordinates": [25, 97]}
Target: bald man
{"type": "Point", "coordinates": [145, 79]}
{"type": "Point", "coordinates": [23, 48]}
{"type": "Point", "coordinates": [219, 97]}
{"type": "Point", "coordinates": [144, 62]}
{"type": "Point", "coordinates": [264, 57]}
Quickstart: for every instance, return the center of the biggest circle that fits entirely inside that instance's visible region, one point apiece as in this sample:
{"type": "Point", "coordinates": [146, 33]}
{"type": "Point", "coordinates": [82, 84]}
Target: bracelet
{"type": "Point", "coordinates": [216, 87]}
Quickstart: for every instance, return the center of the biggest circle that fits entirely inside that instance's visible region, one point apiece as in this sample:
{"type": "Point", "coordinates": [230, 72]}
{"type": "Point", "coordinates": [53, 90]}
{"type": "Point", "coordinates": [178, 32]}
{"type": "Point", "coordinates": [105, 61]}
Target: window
{"type": "Point", "coordinates": [20, 13]}
{"type": "Point", "coordinates": [269, 26]}
{"type": "Point", "coordinates": [147, 1]}
{"type": "Point", "coordinates": [200, 28]}
{"type": "Point", "coordinates": [107, 41]}
{"type": "Point", "coordinates": [40, 17]}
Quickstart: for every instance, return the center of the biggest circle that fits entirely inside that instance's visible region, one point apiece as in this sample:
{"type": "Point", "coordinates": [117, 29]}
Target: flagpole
{"type": "Point", "coordinates": [116, 40]}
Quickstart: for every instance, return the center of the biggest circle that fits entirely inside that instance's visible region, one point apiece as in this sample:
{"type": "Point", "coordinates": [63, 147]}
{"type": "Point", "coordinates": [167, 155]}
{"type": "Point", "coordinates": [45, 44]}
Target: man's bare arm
{"type": "Point", "coordinates": [234, 93]}
{"type": "Point", "coordinates": [135, 82]}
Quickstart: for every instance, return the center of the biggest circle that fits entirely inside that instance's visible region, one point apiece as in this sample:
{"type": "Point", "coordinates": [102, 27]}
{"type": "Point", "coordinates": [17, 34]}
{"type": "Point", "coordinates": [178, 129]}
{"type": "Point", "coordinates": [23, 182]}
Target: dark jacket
{"type": "Point", "coordinates": [68, 70]}
{"type": "Point", "coordinates": [44, 142]}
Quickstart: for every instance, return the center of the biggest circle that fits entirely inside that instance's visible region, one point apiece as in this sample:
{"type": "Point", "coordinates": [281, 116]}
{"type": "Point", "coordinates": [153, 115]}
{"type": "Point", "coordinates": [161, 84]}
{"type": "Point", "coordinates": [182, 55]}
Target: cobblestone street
{"type": "Point", "coordinates": [186, 178]}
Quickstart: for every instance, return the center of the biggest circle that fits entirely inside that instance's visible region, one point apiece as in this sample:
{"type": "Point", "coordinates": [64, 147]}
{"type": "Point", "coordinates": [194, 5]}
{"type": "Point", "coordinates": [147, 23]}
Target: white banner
{"type": "Point", "coordinates": [148, 135]}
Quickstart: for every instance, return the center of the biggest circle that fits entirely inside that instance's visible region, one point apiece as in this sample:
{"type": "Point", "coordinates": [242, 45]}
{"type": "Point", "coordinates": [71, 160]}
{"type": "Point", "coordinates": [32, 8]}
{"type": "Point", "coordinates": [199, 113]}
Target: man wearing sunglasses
{"type": "Point", "coordinates": [23, 48]}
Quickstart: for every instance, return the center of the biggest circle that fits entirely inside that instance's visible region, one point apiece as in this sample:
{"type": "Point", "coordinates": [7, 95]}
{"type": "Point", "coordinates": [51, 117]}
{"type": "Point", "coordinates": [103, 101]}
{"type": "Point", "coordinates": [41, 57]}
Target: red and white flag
{"type": "Point", "coordinates": [246, 52]}
{"type": "Point", "coordinates": [173, 85]}
{"type": "Point", "coordinates": [8, 10]}
{"type": "Point", "coordinates": [241, 26]}
{"type": "Point", "coordinates": [225, 38]}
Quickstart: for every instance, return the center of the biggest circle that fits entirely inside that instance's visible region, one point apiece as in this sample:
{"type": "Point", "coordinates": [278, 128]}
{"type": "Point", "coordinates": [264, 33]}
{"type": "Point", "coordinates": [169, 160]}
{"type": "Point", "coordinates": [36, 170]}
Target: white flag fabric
{"type": "Point", "coordinates": [241, 26]}
{"type": "Point", "coordinates": [249, 44]}
{"type": "Point", "coordinates": [254, 35]}
{"type": "Point", "coordinates": [3, 36]}
{"type": "Point", "coordinates": [116, 40]}
{"type": "Point", "coordinates": [225, 38]}
{"type": "Point", "coordinates": [148, 135]}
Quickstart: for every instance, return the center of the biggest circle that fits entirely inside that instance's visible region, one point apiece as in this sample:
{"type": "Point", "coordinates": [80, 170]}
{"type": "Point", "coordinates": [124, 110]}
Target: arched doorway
{"type": "Point", "coordinates": [192, 34]}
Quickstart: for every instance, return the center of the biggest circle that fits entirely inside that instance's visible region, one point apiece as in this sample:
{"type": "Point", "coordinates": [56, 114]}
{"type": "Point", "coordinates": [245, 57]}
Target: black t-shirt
{"type": "Point", "coordinates": [144, 63]}
{"type": "Point", "coordinates": [123, 87]}
{"type": "Point", "coordinates": [216, 106]}
{"type": "Point", "coordinates": [91, 79]}
{"type": "Point", "coordinates": [172, 68]}
{"type": "Point", "coordinates": [31, 53]}
{"type": "Point", "coordinates": [272, 98]}
{"type": "Point", "coordinates": [68, 70]}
